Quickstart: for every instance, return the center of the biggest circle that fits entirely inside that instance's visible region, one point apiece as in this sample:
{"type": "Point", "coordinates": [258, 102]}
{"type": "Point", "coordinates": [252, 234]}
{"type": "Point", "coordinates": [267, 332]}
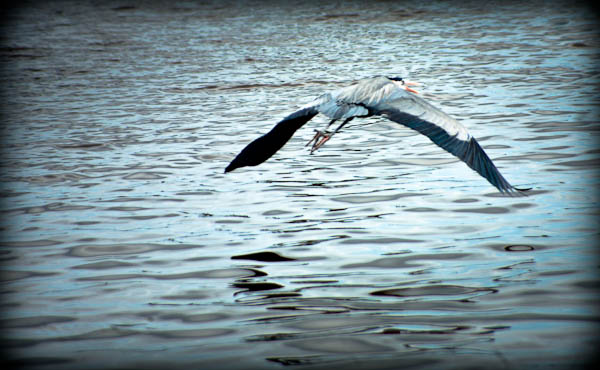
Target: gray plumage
{"type": "Point", "coordinates": [389, 98]}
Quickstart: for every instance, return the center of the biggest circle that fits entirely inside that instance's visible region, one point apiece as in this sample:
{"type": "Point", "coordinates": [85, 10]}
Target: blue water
{"type": "Point", "coordinates": [124, 245]}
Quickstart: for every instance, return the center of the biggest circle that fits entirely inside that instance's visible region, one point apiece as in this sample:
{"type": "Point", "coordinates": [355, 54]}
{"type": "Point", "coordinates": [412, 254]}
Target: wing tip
{"type": "Point", "coordinates": [262, 148]}
{"type": "Point", "coordinates": [514, 191]}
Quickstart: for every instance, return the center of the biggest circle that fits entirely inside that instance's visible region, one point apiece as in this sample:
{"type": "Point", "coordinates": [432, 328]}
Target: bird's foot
{"type": "Point", "coordinates": [318, 140]}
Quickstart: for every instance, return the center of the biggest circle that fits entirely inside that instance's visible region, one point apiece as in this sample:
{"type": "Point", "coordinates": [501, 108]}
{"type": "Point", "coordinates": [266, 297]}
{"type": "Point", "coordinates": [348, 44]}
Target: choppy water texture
{"type": "Point", "coordinates": [124, 245]}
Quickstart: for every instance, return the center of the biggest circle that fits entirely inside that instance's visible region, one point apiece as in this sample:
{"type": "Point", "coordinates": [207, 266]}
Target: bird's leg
{"type": "Point", "coordinates": [320, 134]}
{"type": "Point", "coordinates": [326, 136]}
{"type": "Point", "coordinates": [343, 123]}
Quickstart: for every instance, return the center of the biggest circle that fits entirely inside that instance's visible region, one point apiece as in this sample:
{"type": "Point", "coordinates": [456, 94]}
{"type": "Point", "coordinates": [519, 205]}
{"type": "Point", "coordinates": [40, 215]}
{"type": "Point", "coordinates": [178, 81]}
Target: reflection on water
{"type": "Point", "coordinates": [124, 244]}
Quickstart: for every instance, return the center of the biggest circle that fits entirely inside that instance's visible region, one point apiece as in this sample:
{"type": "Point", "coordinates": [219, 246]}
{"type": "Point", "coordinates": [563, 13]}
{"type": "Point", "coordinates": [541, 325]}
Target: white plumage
{"type": "Point", "coordinates": [391, 98]}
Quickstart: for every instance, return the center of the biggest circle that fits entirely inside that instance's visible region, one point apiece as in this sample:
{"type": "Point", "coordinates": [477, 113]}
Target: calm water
{"type": "Point", "coordinates": [125, 246]}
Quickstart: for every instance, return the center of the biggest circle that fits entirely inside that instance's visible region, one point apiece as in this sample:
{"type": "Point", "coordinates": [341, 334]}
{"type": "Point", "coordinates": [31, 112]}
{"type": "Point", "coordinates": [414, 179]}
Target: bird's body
{"type": "Point", "coordinates": [378, 96]}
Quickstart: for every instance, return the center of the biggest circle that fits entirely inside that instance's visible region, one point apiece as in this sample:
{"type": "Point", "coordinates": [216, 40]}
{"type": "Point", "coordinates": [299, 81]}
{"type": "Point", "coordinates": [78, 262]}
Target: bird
{"type": "Point", "coordinates": [389, 97]}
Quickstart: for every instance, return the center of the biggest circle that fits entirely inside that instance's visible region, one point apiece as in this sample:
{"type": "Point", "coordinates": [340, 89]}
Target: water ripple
{"type": "Point", "coordinates": [124, 245]}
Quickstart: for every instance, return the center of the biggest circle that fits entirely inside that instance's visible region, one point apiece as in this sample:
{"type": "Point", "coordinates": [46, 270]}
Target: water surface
{"type": "Point", "coordinates": [124, 245]}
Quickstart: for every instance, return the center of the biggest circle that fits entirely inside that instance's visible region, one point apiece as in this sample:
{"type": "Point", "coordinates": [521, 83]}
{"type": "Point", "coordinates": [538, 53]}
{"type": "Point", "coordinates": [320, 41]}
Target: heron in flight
{"type": "Point", "coordinates": [389, 97]}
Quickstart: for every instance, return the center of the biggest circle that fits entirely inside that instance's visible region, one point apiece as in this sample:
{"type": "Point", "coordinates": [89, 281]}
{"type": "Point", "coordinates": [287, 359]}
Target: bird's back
{"type": "Point", "coordinates": [354, 100]}
{"type": "Point", "coordinates": [367, 91]}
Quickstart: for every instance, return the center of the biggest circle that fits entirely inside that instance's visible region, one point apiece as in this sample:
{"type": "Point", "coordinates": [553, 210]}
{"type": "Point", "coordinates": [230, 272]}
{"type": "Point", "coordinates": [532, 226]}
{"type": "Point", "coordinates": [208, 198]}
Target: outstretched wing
{"type": "Point", "coordinates": [411, 111]}
{"type": "Point", "coordinates": [265, 146]}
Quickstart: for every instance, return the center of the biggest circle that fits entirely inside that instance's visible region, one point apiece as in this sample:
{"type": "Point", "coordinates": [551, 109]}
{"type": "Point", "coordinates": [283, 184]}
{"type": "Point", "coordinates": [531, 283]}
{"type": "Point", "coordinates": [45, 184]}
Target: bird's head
{"type": "Point", "coordinates": [404, 84]}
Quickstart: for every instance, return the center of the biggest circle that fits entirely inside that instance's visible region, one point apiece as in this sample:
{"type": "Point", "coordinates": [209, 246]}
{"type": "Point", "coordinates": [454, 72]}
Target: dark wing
{"type": "Point", "coordinates": [265, 146]}
{"type": "Point", "coordinates": [415, 113]}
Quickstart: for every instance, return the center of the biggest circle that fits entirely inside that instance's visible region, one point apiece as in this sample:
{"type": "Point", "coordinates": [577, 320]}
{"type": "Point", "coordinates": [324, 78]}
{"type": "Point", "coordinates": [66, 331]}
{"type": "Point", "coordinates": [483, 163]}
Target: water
{"type": "Point", "coordinates": [124, 245]}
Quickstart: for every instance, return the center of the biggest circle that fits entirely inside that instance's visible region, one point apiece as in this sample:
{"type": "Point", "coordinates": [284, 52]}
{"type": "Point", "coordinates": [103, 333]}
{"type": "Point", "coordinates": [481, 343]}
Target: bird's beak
{"type": "Point", "coordinates": [411, 83]}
